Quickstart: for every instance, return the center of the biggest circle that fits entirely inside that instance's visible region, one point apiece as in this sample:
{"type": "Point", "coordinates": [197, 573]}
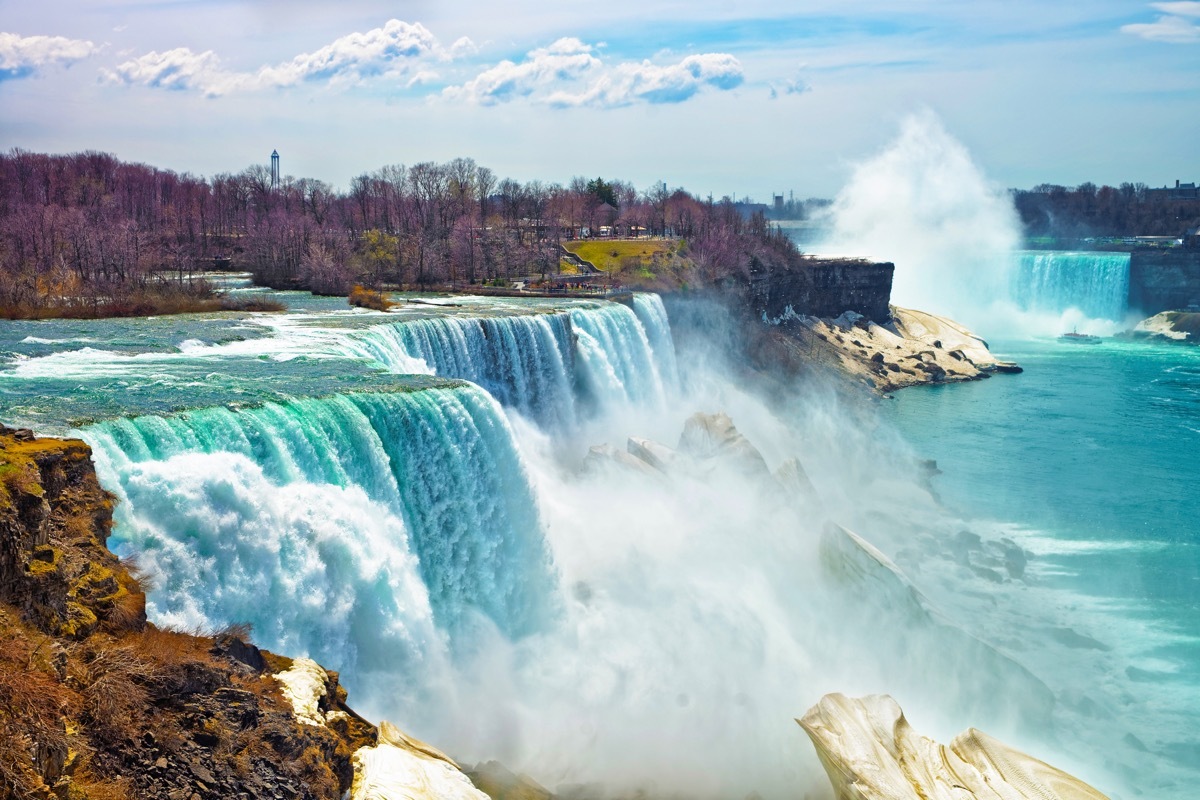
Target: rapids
{"type": "Point", "coordinates": [405, 498]}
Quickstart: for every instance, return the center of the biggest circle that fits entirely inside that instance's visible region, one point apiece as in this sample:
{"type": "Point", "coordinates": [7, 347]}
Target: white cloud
{"type": "Point", "coordinates": [566, 60]}
{"type": "Point", "coordinates": [569, 74]}
{"type": "Point", "coordinates": [1185, 8]}
{"type": "Point", "coordinates": [796, 85]}
{"type": "Point", "coordinates": [394, 50]}
{"type": "Point", "coordinates": [357, 55]}
{"type": "Point", "coordinates": [178, 69]}
{"type": "Point", "coordinates": [1174, 26]}
{"type": "Point", "coordinates": [21, 56]}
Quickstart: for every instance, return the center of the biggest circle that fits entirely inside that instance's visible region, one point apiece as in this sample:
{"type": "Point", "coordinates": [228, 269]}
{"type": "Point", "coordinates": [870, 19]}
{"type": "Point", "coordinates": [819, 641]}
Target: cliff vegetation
{"type": "Point", "coordinates": [97, 703]}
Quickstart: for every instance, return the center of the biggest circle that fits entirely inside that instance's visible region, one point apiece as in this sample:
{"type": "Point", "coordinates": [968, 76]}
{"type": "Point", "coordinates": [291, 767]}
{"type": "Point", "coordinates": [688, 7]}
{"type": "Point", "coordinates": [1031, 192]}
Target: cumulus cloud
{"type": "Point", "coordinates": [178, 69]}
{"type": "Point", "coordinates": [568, 59]}
{"type": "Point", "coordinates": [1175, 25]}
{"type": "Point", "coordinates": [396, 49]}
{"type": "Point", "coordinates": [357, 55]}
{"type": "Point", "coordinates": [568, 73]}
{"type": "Point", "coordinates": [21, 56]}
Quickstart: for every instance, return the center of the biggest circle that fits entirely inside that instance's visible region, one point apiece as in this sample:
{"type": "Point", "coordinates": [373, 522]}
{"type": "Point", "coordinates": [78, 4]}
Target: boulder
{"type": "Point", "coordinates": [656, 454]}
{"type": "Point", "coordinates": [871, 753]}
{"type": "Point", "coordinates": [708, 436]}
{"type": "Point", "coordinates": [603, 455]}
{"type": "Point", "coordinates": [403, 768]}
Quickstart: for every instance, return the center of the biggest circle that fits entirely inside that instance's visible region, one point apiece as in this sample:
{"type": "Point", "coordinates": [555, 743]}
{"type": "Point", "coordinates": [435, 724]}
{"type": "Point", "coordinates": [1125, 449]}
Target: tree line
{"type": "Point", "coordinates": [89, 228]}
{"type": "Point", "coordinates": [1131, 209]}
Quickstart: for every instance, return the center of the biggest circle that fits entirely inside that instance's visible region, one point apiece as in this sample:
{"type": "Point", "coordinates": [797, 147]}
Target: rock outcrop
{"type": "Point", "coordinates": [1177, 326]}
{"type": "Point", "coordinates": [915, 347]}
{"type": "Point", "coordinates": [54, 525]}
{"type": "Point", "coordinates": [95, 702]}
{"type": "Point", "coordinates": [871, 753]}
{"type": "Point", "coordinates": [400, 767]}
{"type": "Point", "coordinates": [899, 617]}
{"type": "Point", "coordinates": [1164, 279]}
{"type": "Point", "coordinates": [709, 442]}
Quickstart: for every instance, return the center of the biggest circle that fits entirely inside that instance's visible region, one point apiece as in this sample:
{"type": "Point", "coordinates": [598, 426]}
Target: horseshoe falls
{"type": "Point", "coordinates": [412, 498]}
{"type": "Point", "coordinates": [1094, 283]}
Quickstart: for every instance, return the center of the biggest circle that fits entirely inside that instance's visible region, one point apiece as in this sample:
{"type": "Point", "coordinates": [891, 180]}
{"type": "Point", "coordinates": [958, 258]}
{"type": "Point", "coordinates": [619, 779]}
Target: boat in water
{"type": "Point", "coordinates": [1079, 338]}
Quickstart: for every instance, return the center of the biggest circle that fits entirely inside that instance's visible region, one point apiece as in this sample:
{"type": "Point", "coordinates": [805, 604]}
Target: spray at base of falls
{"type": "Point", "coordinates": [1097, 284]}
{"type": "Point", "coordinates": [925, 205]}
{"type": "Point", "coordinates": [639, 630]}
{"type": "Point", "coordinates": [362, 530]}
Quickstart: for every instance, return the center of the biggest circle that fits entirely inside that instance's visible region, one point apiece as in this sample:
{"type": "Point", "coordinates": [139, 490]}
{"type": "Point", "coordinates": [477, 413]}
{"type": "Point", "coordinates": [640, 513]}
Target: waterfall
{"type": "Point", "coordinates": [525, 362]}
{"type": "Point", "coordinates": [549, 367]}
{"type": "Point", "coordinates": [1096, 284]}
{"type": "Point", "coordinates": [361, 529]}
{"type": "Point", "coordinates": [616, 360]}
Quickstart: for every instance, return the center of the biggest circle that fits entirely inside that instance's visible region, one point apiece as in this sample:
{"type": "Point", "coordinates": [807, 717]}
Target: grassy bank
{"type": "Point", "coordinates": [612, 255]}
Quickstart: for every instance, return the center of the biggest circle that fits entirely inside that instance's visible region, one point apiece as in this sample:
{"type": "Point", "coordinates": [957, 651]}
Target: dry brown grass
{"type": "Point", "coordinates": [145, 304]}
{"type": "Point", "coordinates": [369, 298]}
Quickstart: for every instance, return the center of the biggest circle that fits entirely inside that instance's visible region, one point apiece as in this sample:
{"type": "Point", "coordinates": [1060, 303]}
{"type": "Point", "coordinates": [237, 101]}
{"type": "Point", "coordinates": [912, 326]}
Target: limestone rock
{"type": "Point", "coordinates": [501, 783]}
{"type": "Point", "coordinates": [914, 347]}
{"type": "Point", "coordinates": [707, 436]}
{"type": "Point", "coordinates": [899, 618]}
{"type": "Point", "coordinates": [794, 480]}
{"type": "Point", "coordinates": [656, 454]}
{"type": "Point", "coordinates": [305, 685]}
{"type": "Point", "coordinates": [403, 768]}
{"type": "Point", "coordinates": [602, 455]}
{"type": "Point", "coordinates": [871, 753]}
{"type": "Point", "coordinates": [1180, 326]}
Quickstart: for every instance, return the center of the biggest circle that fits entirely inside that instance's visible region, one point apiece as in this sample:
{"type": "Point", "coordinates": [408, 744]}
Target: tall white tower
{"type": "Point", "coordinates": [274, 169]}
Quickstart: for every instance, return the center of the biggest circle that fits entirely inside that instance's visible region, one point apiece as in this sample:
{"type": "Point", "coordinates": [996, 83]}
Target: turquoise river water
{"type": "Point", "coordinates": [409, 498]}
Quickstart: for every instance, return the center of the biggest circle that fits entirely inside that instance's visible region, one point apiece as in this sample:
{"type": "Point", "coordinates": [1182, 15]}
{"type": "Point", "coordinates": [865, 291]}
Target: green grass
{"type": "Point", "coordinates": [607, 255]}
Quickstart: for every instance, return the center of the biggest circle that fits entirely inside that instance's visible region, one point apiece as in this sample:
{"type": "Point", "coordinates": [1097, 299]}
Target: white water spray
{"type": "Point", "coordinates": [924, 204]}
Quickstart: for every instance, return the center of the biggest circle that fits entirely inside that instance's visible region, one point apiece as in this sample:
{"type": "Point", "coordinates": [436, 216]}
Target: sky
{"type": "Point", "coordinates": [743, 98]}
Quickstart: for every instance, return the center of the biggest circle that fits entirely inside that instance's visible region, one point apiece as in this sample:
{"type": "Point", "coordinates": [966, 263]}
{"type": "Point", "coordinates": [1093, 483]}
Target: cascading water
{"type": "Point", "coordinates": [616, 361]}
{"type": "Point", "coordinates": [525, 362]}
{"type": "Point", "coordinates": [334, 522]}
{"type": "Point", "coordinates": [1097, 284]}
{"type": "Point", "coordinates": [651, 629]}
{"type": "Point", "coordinates": [542, 365]}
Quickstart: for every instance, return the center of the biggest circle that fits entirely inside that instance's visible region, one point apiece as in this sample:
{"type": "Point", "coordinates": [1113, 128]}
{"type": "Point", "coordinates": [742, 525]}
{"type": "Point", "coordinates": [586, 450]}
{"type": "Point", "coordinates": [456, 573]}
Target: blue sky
{"type": "Point", "coordinates": [738, 98]}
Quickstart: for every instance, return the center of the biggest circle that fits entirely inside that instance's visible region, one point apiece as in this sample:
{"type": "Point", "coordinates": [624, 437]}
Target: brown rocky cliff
{"type": "Point", "coordinates": [97, 703]}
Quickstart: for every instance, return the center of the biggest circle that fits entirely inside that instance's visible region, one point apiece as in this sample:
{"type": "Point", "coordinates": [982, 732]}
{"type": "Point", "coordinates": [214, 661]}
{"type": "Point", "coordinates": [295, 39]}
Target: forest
{"type": "Point", "coordinates": [87, 234]}
{"type": "Point", "coordinates": [1131, 209]}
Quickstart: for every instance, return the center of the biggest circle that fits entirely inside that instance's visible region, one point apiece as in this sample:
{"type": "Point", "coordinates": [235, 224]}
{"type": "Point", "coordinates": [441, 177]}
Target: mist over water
{"type": "Point", "coordinates": [924, 204]}
{"type": "Point", "coordinates": [482, 584]}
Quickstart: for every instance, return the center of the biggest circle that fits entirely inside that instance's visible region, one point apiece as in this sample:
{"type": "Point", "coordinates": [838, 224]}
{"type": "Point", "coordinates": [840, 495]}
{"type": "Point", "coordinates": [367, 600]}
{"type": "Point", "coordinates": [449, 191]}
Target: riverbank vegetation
{"type": "Point", "coordinates": [1087, 210]}
{"type": "Point", "coordinates": [87, 234]}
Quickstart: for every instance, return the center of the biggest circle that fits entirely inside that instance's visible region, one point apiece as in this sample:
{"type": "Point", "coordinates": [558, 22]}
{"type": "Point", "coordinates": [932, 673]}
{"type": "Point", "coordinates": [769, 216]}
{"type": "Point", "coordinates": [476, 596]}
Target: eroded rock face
{"type": "Point", "coordinates": [54, 523]}
{"type": "Point", "coordinates": [871, 753]}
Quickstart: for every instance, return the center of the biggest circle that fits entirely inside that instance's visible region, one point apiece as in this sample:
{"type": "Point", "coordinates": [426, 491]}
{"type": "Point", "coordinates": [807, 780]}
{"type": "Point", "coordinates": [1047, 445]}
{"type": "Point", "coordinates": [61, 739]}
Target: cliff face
{"type": "Point", "coordinates": [825, 288]}
{"type": "Point", "coordinates": [96, 703]}
{"type": "Point", "coordinates": [54, 523]}
{"type": "Point", "coordinates": [1164, 280]}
